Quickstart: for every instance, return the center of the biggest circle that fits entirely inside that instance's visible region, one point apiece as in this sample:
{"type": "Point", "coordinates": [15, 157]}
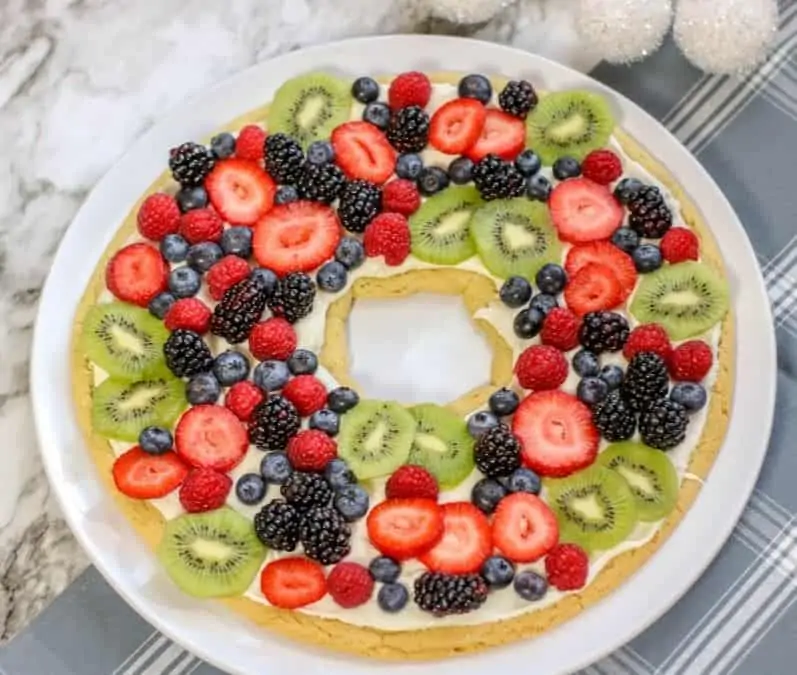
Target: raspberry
{"type": "Point", "coordinates": [250, 142]}
{"type": "Point", "coordinates": [401, 196]}
{"type": "Point", "coordinates": [306, 393]}
{"type": "Point", "coordinates": [204, 490]}
{"type": "Point", "coordinates": [566, 567]}
{"type": "Point", "coordinates": [412, 482]}
{"type": "Point", "coordinates": [311, 450]}
{"type": "Point", "coordinates": [242, 398]}
{"type": "Point", "coordinates": [188, 313]}
{"type": "Point", "coordinates": [273, 338]}
{"type": "Point", "coordinates": [560, 329]}
{"type": "Point", "coordinates": [648, 338]}
{"type": "Point", "coordinates": [679, 244]}
{"type": "Point", "coordinates": [200, 225]}
{"type": "Point", "coordinates": [602, 166]}
{"type": "Point", "coordinates": [158, 216]}
{"type": "Point", "coordinates": [541, 367]}
{"type": "Point", "coordinates": [389, 235]}
{"type": "Point", "coordinates": [350, 585]}
{"type": "Point", "coordinates": [225, 274]}
{"type": "Point", "coordinates": [690, 361]}
{"type": "Point", "coordinates": [408, 89]}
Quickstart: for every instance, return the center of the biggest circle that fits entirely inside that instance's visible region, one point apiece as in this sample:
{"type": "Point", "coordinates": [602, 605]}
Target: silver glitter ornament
{"type": "Point", "coordinates": [468, 12]}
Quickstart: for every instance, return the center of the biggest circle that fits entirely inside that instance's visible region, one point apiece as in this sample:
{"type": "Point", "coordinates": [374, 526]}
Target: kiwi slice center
{"type": "Point", "coordinates": [429, 443]}
{"type": "Point", "coordinates": [211, 550]}
{"type": "Point", "coordinates": [128, 337]}
{"type": "Point", "coordinates": [452, 223]}
{"type": "Point", "coordinates": [591, 508]}
{"type": "Point", "coordinates": [641, 482]}
{"type": "Point", "coordinates": [312, 108]}
{"type": "Point", "coordinates": [517, 236]}
{"type": "Point", "coordinates": [141, 397]}
{"type": "Point", "coordinates": [569, 127]}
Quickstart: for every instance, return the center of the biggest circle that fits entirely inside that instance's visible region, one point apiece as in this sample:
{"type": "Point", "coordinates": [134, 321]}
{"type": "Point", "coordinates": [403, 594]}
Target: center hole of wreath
{"type": "Point", "coordinates": [423, 348]}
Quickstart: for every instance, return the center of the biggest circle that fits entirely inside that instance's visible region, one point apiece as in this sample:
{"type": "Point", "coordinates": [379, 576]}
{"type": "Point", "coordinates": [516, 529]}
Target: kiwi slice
{"type": "Point", "coordinates": [514, 237]}
{"type": "Point", "coordinates": [212, 554]}
{"type": "Point", "coordinates": [124, 340]}
{"type": "Point", "coordinates": [309, 107]}
{"type": "Point", "coordinates": [441, 444]}
{"type": "Point", "coordinates": [121, 409]}
{"type": "Point", "coordinates": [686, 299]}
{"type": "Point", "coordinates": [570, 123]}
{"type": "Point", "coordinates": [375, 438]}
{"type": "Point", "coordinates": [439, 229]}
{"type": "Point", "coordinates": [595, 507]}
{"type": "Point", "coordinates": [650, 475]}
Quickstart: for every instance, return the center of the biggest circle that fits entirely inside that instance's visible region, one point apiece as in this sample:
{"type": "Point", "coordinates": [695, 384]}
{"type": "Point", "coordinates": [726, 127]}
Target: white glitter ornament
{"type": "Point", "coordinates": [726, 36]}
{"type": "Point", "coordinates": [468, 11]}
{"type": "Point", "coordinates": [623, 31]}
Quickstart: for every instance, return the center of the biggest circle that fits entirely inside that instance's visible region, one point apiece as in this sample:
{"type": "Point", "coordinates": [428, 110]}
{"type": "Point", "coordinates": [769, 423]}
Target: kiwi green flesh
{"type": "Point", "coordinates": [309, 107]}
{"type": "Point", "coordinates": [124, 340]}
{"type": "Point", "coordinates": [375, 438]}
{"type": "Point", "coordinates": [514, 237]}
{"type": "Point", "coordinates": [441, 444]}
{"type": "Point", "coordinates": [121, 409]}
{"type": "Point", "coordinates": [568, 123]}
{"type": "Point", "coordinates": [649, 473]}
{"type": "Point", "coordinates": [212, 554]}
{"type": "Point", "coordinates": [439, 229]}
{"type": "Point", "coordinates": [687, 299]}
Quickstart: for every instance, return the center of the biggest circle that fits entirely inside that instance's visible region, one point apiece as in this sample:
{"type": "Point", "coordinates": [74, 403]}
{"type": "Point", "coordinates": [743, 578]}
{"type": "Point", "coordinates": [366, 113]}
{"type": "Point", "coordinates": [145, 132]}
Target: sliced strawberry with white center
{"type": "Point", "coordinates": [456, 125]}
{"type": "Point", "coordinates": [502, 135]}
{"type": "Point", "coordinates": [603, 253]}
{"type": "Point", "coordinates": [136, 274]}
{"type": "Point", "coordinates": [293, 582]}
{"type": "Point", "coordinates": [211, 437]}
{"type": "Point", "coordinates": [593, 288]}
{"type": "Point", "coordinates": [141, 475]}
{"type": "Point", "coordinates": [240, 190]}
{"type": "Point", "coordinates": [524, 528]}
{"type": "Point", "coordinates": [584, 211]}
{"type": "Point", "coordinates": [556, 433]}
{"type": "Point", "coordinates": [467, 541]}
{"type": "Point", "coordinates": [362, 151]}
{"type": "Point", "coordinates": [405, 528]}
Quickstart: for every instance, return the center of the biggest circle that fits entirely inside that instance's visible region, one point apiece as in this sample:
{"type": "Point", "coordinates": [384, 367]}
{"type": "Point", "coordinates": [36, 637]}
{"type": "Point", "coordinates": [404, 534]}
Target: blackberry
{"type": "Point", "coordinates": [646, 381]}
{"type": "Point", "coordinates": [360, 202]}
{"type": "Point", "coordinates": [603, 332]}
{"type": "Point", "coordinates": [306, 491]}
{"type": "Point", "coordinates": [496, 178]}
{"type": "Point", "coordinates": [277, 525]}
{"type": "Point", "coordinates": [663, 424]}
{"type": "Point", "coordinates": [190, 163]}
{"type": "Point", "coordinates": [408, 130]}
{"type": "Point", "coordinates": [293, 297]}
{"type": "Point", "coordinates": [518, 98]}
{"type": "Point", "coordinates": [284, 158]}
{"type": "Point", "coordinates": [497, 452]}
{"type": "Point", "coordinates": [239, 310]}
{"type": "Point", "coordinates": [650, 216]}
{"type": "Point", "coordinates": [325, 535]}
{"type": "Point", "coordinates": [274, 422]}
{"type": "Point", "coordinates": [320, 182]}
{"type": "Point", "coordinates": [187, 354]}
{"type": "Point", "coordinates": [442, 594]}
{"type": "Point", "coordinates": [614, 419]}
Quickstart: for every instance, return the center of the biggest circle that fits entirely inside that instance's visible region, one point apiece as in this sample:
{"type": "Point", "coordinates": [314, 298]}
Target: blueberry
{"type": "Point", "coordinates": [523, 480]}
{"type": "Point", "coordinates": [486, 494]}
{"type": "Point", "coordinates": [543, 302]}
{"type": "Point", "coordinates": [350, 253]}
{"type": "Point", "coordinates": [275, 468]}
{"type": "Point", "coordinates": [625, 239]}
{"type": "Point", "coordinates": [325, 420]}
{"type": "Point", "coordinates": [690, 395]}
{"type": "Point", "coordinates": [237, 241]}
{"type": "Point", "coordinates": [286, 194]}
{"type": "Point", "coordinates": [202, 257]}
{"type": "Point", "coordinates": [476, 86]}
{"type": "Point", "coordinates": [498, 572]}
{"type": "Point", "coordinates": [503, 402]}
{"type": "Point", "coordinates": [384, 570]}
{"type": "Point", "coordinates": [551, 278]}
{"type": "Point", "coordinates": [612, 375]}
{"type": "Point", "coordinates": [377, 114]}
{"type": "Point", "coordinates": [174, 248]}
{"type": "Point", "coordinates": [339, 475]}
{"type": "Point", "coordinates": [184, 282]}
{"type": "Point", "coordinates": [626, 189]}
{"type": "Point", "coordinates": [190, 198]}
{"type": "Point", "coordinates": [432, 180]}
{"type": "Point", "coordinates": [341, 399]}
{"type": "Point", "coordinates": [155, 440]}
{"type": "Point", "coordinates": [480, 422]}
{"type": "Point", "coordinates": [203, 388]}
{"type": "Point", "coordinates": [302, 362]}
{"type": "Point", "coordinates": [647, 258]}
{"type": "Point", "coordinates": [539, 188]}
{"type": "Point", "coordinates": [528, 323]}
{"type": "Point", "coordinates": [530, 586]}
{"type": "Point", "coordinates": [461, 170]}
{"type": "Point", "coordinates": [566, 167]}
{"type": "Point", "coordinates": [223, 145]}
{"type": "Point", "coordinates": [250, 488]}
{"type": "Point", "coordinates": [266, 278]}
{"type": "Point", "coordinates": [392, 597]}
{"type": "Point", "coordinates": [230, 367]}
{"type": "Point", "coordinates": [409, 166]}
{"type": "Point", "coordinates": [586, 363]}
{"type": "Point", "coordinates": [592, 390]}
{"type": "Point", "coordinates": [331, 277]}
{"type": "Point", "coordinates": [528, 162]}
{"type": "Point", "coordinates": [320, 152]}
{"type": "Point", "coordinates": [515, 291]}
{"type": "Point", "coordinates": [352, 502]}
{"type": "Point", "coordinates": [160, 304]}
{"type": "Point", "coordinates": [271, 375]}
{"type": "Point", "coordinates": [365, 89]}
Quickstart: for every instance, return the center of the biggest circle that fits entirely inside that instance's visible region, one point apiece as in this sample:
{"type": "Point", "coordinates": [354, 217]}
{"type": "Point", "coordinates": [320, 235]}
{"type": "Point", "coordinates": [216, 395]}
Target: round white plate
{"type": "Point", "coordinates": [233, 644]}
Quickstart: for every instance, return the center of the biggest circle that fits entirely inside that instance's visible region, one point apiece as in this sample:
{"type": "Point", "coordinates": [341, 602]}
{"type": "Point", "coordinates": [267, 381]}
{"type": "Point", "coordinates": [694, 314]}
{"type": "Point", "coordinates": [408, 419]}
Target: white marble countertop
{"type": "Point", "coordinates": [79, 81]}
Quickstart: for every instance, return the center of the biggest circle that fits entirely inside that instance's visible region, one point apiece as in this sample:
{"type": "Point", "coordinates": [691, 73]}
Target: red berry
{"type": "Point", "coordinates": [648, 338]}
{"type": "Point", "coordinates": [293, 582]}
{"type": "Point", "coordinates": [350, 585]}
{"type": "Point", "coordinates": [466, 543]}
{"type": "Point", "coordinates": [307, 394]}
{"type": "Point", "coordinates": [593, 288]}
{"type": "Point", "coordinates": [691, 361]}
{"type": "Point", "coordinates": [140, 475]}
{"type": "Point", "coordinates": [225, 274]}
{"type": "Point", "coordinates": [541, 367]}
{"type": "Point", "coordinates": [401, 196]}
{"type": "Point", "coordinates": [405, 528]}
{"type": "Point", "coordinates": [411, 481]}
{"type": "Point", "coordinates": [524, 527]}
{"type": "Point", "coordinates": [502, 135]}
{"type": "Point", "coordinates": [211, 437]}
{"type": "Point", "coordinates": [204, 490]}
{"type": "Point", "coordinates": [388, 235]}
{"type": "Point", "coordinates": [407, 89]}
{"type": "Point", "coordinates": [273, 338]}
{"type": "Point", "coordinates": [679, 244]}
{"type": "Point", "coordinates": [240, 190]}
{"type": "Point", "coordinates": [249, 144]}
{"type": "Point", "coordinates": [200, 225]}
{"type": "Point", "coordinates": [584, 211]}
{"type": "Point", "coordinates": [190, 314]}
{"type": "Point", "coordinates": [311, 450]}
{"type": "Point", "coordinates": [158, 216]}
{"type": "Point", "coordinates": [602, 166]}
{"type": "Point", "coordinates": [457, 125]}
{"type": "Point", "coordinates": [136, 274]}
{"type": "Point", "coordinates": [560, 329]}
{"type": "Point", "coordinates": [567, 567]}
{"type": "Point", "coordinates": [603, 253]}
{"type": "Point", "coordinates": [242, 398]}
{"type": "Point", "coordinates": [363, 151]}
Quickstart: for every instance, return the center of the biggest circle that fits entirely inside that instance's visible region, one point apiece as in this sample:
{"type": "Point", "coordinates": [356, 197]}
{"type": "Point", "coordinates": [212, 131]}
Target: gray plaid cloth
{"type": "Point", "coordinates": [741, 616]}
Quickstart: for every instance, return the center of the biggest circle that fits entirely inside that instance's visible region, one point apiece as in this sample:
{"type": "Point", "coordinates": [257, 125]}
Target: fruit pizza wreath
{"type": "Point", "coordinates": [211, 365]}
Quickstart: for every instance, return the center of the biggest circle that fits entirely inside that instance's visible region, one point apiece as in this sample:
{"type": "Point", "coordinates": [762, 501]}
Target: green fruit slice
{"type": "Point", "coordinates": [441, 444]}
{"type": "Point", "coordinates": [439, 229]}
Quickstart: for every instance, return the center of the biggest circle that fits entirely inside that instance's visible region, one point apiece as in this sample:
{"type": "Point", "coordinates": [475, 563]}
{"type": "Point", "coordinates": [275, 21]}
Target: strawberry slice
{"type": "Point", "coordinates": [293, 582]}
{"type": "Point", "coordinates": [593, 288]}
{"type": "Point", "coordinates": [584, 211]}
{"type": "Point", "coordinates": [456, 125]}
{"type": "Point", "coordinates": [405, 528]}
{"type": "Point", "coordinates": [603, 253]}
{"type": "Point", "coordinates": [362, 151]}
{"type": "Point", "coordinates": [136, 274]}
{"type": "Point", "coordinates": [140, 475]}
{"type": "Point", "coordinates": [524, 528]}
{"type": "Point", "coordinates": [467, 540]}
{"type": "Point", "coordinates": [240, 190]}
{"type": "Point", "coordinates": [296, 237]}
{"type": "Point", "coordinates": [556, 433]}
{"type": "Point", "coordinates": [211, 437]}
{"type": "Point", "coordinates": [502, 135]}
